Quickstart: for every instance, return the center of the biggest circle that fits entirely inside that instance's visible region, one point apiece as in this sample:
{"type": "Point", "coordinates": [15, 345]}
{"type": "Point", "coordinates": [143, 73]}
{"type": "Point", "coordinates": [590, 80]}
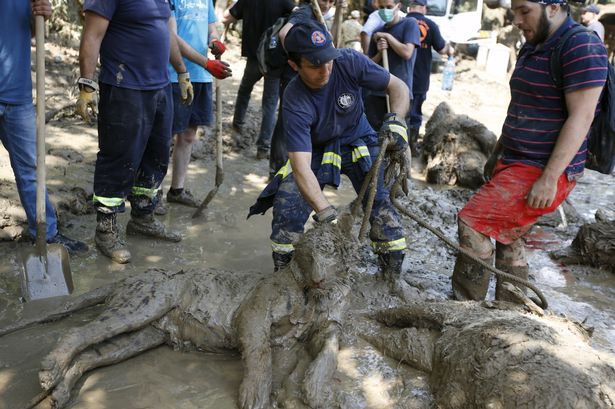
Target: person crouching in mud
{"type": "Point", "coordinates": [327, 134]}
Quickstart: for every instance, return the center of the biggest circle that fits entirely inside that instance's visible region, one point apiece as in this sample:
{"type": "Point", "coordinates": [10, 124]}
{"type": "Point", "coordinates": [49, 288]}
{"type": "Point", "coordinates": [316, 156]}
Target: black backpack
{"type": "Point", "coordinates": [270, 54]}
{"type": "Point", "coordinates": [601, 137]}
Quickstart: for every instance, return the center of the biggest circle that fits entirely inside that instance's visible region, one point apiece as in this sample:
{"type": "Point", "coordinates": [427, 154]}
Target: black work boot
{"type": "Point", "coordinates": [281, 260]}
{"type": "Point", "coordinates": [413, 141]}
{"type": "Point", "coordinates": [470, 280]}
{"type": "Point", "coordinates": [502, 294]}
{"type": "Point", "coordinates": [108, 240]}
{"type": "Point", "coordinates": [148, 225]}
{"type": "Point", "coordinates": [390, 265]}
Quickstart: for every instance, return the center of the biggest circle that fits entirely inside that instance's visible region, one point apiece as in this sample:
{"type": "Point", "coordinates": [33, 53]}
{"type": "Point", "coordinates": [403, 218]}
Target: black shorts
{"type": "Point", "coordinates": [199, 113]}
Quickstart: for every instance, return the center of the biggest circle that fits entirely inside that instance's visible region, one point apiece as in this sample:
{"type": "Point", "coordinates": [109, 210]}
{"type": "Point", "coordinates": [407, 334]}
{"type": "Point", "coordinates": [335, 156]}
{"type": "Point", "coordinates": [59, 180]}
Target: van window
{"type": "Point", "coordinates": [436, 7]}
{"type": "Point", "coordinates": [464, 6]}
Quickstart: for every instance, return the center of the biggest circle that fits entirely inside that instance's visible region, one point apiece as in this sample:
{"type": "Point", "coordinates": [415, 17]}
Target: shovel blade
{"type": "Point", "coordinates": [46, 273]}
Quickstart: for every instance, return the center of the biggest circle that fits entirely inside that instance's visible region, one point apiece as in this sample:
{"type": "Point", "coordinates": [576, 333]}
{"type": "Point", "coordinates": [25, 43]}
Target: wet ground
{"type": "Point", "coordinates": [224, 238]}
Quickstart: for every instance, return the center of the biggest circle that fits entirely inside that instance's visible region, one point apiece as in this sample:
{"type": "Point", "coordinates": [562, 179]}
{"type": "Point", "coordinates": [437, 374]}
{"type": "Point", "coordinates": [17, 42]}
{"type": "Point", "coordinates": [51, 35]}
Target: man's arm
{"type": "Point", "coordinates": [447, 50]}
{"type": "Point", "coordinates": [40, 8]}
{"type": "Point", "coordinates": [93, 33]}
{"type": "Point", "coordinates": [306, 180]}
{"type": "Point", "coordinates": [581, 106]}
{"type": "Point", "coordinates": [404, 50]}
{"type": "Point", "coordinates": [398, 96]}
{"type": "Point", "coordinates": [176, 56]}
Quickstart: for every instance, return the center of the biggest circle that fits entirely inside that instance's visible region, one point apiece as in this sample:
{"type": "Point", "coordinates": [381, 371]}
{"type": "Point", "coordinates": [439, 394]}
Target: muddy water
{"type": "Point", "coordinates": [163, 378]}
{"type": "Point", "coordinates": [159, 378]}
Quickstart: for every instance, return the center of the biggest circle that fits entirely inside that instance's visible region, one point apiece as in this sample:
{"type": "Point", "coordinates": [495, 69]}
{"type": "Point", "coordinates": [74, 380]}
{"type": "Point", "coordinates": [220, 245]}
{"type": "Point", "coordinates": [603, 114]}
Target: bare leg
{"type": "Point", "coordinates": [115, 350]}
{"type": "Point", "coordinates": [470, 280]}
{"type": "Point", "coordinates": [511, 259]}
{"type": "Point", "coordinates": [181, 156]}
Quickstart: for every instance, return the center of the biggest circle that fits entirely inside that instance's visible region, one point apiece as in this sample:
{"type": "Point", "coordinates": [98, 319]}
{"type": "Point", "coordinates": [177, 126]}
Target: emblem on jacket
{"type": "Point", "coordinates": [345, 100]}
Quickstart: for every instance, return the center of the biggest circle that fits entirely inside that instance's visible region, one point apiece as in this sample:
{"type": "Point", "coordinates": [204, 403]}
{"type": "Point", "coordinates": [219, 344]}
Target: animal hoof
{"type": "Point", "coordinates": [49, 374]}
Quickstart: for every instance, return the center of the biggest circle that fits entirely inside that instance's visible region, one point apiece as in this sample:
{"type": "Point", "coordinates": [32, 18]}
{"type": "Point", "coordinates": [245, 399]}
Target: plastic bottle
{"type": "Point", "coordinates": [448, 74]}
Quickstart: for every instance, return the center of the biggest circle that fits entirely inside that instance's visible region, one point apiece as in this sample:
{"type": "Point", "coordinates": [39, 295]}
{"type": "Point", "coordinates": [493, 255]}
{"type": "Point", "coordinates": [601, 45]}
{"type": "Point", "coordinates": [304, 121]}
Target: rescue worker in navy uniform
{"type": "Point", "coordinates": [327, 134]}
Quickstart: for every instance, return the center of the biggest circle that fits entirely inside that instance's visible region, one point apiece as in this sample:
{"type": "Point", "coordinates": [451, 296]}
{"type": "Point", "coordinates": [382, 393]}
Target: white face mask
{"type": "Point", "coordinates": [386, 15]}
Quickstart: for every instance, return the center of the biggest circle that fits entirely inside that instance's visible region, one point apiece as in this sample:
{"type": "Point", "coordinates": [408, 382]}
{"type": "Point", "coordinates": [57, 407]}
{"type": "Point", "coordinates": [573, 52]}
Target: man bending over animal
{"type": "Point", "coordinates": [542, 149]}
{"type": "Point", "coordinates": [327, 134]}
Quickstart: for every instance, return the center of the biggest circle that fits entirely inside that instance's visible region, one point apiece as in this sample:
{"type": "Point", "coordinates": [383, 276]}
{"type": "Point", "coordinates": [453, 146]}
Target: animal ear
{"type": "Point", "coordinates": [345, 222]}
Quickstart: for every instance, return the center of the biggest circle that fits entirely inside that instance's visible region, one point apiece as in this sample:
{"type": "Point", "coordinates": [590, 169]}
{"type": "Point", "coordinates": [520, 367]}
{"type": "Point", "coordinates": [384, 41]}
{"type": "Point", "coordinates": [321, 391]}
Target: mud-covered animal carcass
{"type": "Point", "coordinates": [302, 331]}
{"type": "Point", "coordinates": [215, 310]}
{"type": "Point", "coordinates": [495, 355]}
{"type": "Point", "coordinates": [594, 244]}
{"type": "Point", "coordinates": [456, 148]}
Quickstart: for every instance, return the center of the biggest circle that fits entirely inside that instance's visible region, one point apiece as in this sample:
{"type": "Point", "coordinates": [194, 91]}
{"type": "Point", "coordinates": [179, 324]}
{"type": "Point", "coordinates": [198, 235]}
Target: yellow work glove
{"type": "Point", "coordinates": [185, 87]}
{"type": "Point", "coordinates": [87, 105]}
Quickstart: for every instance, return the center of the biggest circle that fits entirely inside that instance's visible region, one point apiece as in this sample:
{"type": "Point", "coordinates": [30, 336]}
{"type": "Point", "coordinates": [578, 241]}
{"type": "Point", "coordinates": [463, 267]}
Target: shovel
{"type": "Point", "coordinates": [219, 148]}
{"type": "Point", "coordinates": [46, 269]}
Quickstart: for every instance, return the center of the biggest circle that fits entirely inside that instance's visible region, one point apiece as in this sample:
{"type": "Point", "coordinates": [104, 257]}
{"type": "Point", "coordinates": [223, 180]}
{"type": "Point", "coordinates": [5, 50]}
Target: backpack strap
{"type": "Point", "coordinates": [556, 54]}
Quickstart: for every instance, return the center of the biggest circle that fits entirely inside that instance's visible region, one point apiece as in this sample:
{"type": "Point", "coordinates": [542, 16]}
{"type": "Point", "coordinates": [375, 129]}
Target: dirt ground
{"type": "Point", "coordinates": [224, 238]}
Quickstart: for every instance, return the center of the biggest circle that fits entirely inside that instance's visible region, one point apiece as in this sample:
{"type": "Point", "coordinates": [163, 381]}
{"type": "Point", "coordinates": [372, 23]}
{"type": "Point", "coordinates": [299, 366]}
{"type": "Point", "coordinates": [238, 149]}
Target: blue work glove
{"type": "Point", "coordinates": [394, 127]}
{"type": "Point", "coordinates": [326, 215]}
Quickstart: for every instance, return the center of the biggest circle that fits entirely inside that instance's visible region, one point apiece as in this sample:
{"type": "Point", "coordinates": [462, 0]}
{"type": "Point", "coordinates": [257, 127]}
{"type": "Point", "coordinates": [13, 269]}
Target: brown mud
{"type": "Point", "coordinates": [224, 239]}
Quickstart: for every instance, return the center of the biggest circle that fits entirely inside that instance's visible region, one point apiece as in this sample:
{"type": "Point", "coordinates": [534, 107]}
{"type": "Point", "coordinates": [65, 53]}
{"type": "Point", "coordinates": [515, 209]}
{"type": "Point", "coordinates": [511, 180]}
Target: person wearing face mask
{"type": "Point", "coordinates": [374, 22]}
{"type": "Point", "coordinates": [541, 151]}
{"type": "Point", "coordinates": [400, 36]}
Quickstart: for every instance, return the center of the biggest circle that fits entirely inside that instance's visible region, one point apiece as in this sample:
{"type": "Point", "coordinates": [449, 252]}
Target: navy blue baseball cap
{"type": "Point", "coordinates": [419, 2]}
{"type": "Point", "coordinates": [592, 8]}
{"type": "Point", "coordinates": [312, 41]}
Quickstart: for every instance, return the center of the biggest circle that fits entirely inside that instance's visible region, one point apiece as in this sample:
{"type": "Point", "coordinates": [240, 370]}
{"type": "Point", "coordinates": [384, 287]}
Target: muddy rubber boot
{"type": "Point", "coordinates": [281, 260]}
{"type": "Point", "coordinates": [148, 225]}
{"type": "Point", "coordinates": [108, 240]}
{"type": "Point", "coordinates": [390, 265]}
{"type": "Point", "coordinates": [522, 272]}
{"type": "Point", "coordinates": [470, 280]}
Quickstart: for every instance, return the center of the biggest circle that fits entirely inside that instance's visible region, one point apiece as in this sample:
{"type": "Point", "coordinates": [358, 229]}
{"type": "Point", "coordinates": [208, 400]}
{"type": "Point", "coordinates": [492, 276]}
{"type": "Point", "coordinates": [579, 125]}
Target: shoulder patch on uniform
{"type": "Point", "coordinates": [345, 100]}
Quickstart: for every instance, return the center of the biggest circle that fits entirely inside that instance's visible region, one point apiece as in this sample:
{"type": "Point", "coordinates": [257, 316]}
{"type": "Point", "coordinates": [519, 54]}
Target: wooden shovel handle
{"type": "Point", "coordinates": [40, 128]}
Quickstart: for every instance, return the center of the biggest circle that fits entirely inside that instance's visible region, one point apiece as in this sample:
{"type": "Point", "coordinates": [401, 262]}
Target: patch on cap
{"type": "Point", "coordinates": [318, 38]}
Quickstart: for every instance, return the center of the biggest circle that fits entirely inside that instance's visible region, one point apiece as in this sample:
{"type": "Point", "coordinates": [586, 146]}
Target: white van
{"type": "Point", "coordinates": [459, 20]}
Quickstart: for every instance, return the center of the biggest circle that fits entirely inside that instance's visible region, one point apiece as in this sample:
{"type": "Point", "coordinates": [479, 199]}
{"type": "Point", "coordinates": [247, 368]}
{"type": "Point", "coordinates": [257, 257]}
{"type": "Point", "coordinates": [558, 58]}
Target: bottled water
{"type": "Point", "coordinates": [448, 74]}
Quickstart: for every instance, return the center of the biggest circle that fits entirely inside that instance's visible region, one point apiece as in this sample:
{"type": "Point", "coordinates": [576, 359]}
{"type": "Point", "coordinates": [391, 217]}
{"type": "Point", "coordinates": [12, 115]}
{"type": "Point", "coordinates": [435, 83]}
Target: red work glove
{"type": "Point", "coordinates": [217, 47]}
{"type": "Point", "coordinates": [218, 69]}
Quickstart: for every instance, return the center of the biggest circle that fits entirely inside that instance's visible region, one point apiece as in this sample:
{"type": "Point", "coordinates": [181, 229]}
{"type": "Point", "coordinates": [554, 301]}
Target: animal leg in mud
{"type": "Point", "coordinates": [85, 300]}
{"type": "Point", "coordinates": [317, 383]}
{"type": "Point", "coordinates": [254, 329]}
{"type": "Point", "coordinates": [288, 391]}
{"type": "Point", "coordinates": [406, 334]}
{"type": "Point", "coordinates": [115, 350]}
{"type": "Point", "coordinates": [135, 313]}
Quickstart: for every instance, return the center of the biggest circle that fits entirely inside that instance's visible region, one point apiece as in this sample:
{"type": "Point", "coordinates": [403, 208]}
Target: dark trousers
{"type": "Point", "coordinates": [291, 211]}
{"type": "Point", "coordinates": [251, 76]}
{"type": "Point", "coordinates": [134, 140]}
{"type": "Point", "coordinates": [278, 155]}
{"type": "Point", "coordinates": [416, 110]}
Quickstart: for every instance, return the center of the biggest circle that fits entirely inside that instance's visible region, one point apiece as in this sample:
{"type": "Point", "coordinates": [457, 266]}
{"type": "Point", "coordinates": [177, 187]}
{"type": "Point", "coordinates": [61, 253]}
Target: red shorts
{"type": "Point", "coordinates": [500, 209]}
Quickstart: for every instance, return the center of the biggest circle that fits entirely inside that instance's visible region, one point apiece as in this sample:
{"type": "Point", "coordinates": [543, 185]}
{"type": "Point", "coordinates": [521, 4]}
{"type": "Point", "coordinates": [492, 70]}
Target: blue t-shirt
{"type": "Point", "coordinates": [430, 38]}
{"type": "Point", "coordinates": [193, 18]}
{"type": "Point", "coordinates": [135, 50]}
{"type": "Point", "coordinates": [15, 32]}
{"type": "Point", "coordinates": [314, 118]}
{"type": "Point", "coordinates": [406, 31]}
{"type": "Point", "coordinates": [537, 109]}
